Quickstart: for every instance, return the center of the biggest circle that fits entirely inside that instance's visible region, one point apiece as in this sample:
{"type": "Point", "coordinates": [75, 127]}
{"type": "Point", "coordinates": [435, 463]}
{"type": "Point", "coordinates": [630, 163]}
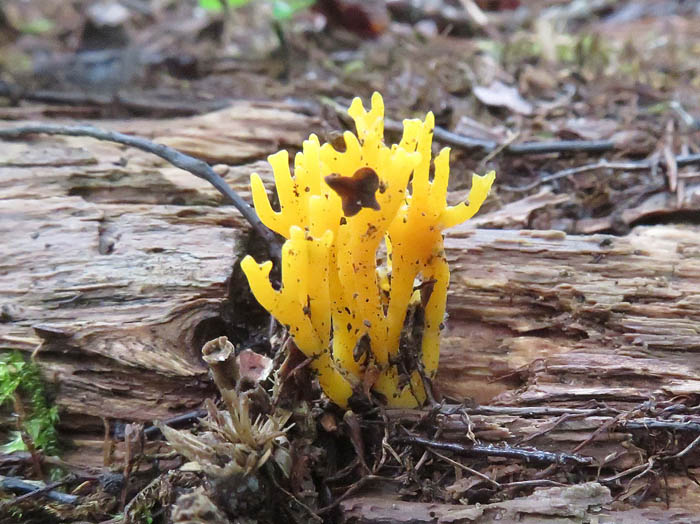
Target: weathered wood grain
{"type": "Point", "coordinates": [567, 505]}
{"type": "Point", "coordinates": [114, 266]}
{"type": "Point", "coordinates": [540, 317]}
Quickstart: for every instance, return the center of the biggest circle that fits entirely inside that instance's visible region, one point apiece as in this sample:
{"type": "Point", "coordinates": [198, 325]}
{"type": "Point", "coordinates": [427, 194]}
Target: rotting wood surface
{"type": "Point", "coordinates": [567, 505]}
{"type": "Point", "coordinates": [115, 266]}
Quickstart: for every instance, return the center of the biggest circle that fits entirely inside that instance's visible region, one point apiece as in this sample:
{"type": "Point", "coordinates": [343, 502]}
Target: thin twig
{"type": "Point", "coordinates": [650, 423]}
{"type": "Point", "coordinates": [561, 146]}
{"type": "Point", "coordinates": [642, 423]}
{"type": "Point", "coordinates": [502, 147]}
{"type": "Point", "coordinates": [518, 411]}
{"type": "Point", "coordinates": [488, 146]}
{"type": "Point", "coordinates": [650, 467]}
{"type": "Point", "coordinates": [532, 483]}
{"type": "Point", "coordinates": [602, 164]}
{"type": "Point", "coordinates": [461, 141]}
{"type": "Point", "coordinates": [622, 474]}
{"type": "Point", "coordinates": [687, 449]}
{"type": "Point", "coordinates": [687, 118]}
{"type": "Point", "coordinates": [193, 165]}
{"type": "Point", "coordinates": [600, 430]}
{"type": "Point", "coordinates": [152, 432]}
{"type": "Point", "coordinates": [551, 427]}
{"type": "Point", "coordinates": [466, 468]}
{"type": "Point", "coordinates": [650, 464]}
{"type": "Point", "coordinates": [424, 457]}
{"type": "Point", "coordinates": [30, 490]}
{"type": "Point", "coordinates": [315, 516]}
{"type": "Point", "coordinates": [680, 161]}
{"type": "Point", "coordinates": [352, 489]}
{"type": "Point", "coordinates": [527, 148]}
{"type": "Point", "coordinates": [343, 472]}
{"type": "Point", "coordinates": [527, 455]}
{"type": "Point", "coordinates": [386, 446]}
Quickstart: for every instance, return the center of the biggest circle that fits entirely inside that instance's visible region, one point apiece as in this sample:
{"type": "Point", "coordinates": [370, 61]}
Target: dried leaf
{"type": "Point", "coordinates": [254, 366]}
{"type": "Point", "coordinates": [500, 95]}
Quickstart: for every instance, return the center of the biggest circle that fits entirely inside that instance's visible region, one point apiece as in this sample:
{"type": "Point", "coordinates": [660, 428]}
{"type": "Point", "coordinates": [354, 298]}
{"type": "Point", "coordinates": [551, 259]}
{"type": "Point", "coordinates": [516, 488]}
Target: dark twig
{"type": "Point", "coordinates": [560, 146]}
{"type": "Point", "coordinates": [197, 167]}
{"type": "Point", "coordinates": [488, 146]}
{"type": "Point", "coordinates": [353, 488]}
{"type": "Point", "coordinates": [153, 432]}
{"type": "Point", "coordinates": [687, 160]}
{"type": "Point", "coordinates": [602, 164]}
{"type": "Point", "coordinates": [650, 423]}
{"type": "Point", "coordinates": [643, 423]}
{"type": "Point", "coordinates": [680, 161]}
{"type": "Point", "coordinates": [29, 490]}
{"type": "Point", "coordinates": [518, 411]}
{"type": "Point", "coordinates": [463, 142]}
{"type": "Point", "coordinates": [466, 468]}
{"type": "Point", "coordinates": [527, 455]}
{"type": "Point", "coordinates": [528, 148]}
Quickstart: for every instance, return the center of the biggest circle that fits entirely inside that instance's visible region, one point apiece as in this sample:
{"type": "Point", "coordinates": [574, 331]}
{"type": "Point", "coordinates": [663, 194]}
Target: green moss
{"type": "Point", "coordinates": [21, 377]}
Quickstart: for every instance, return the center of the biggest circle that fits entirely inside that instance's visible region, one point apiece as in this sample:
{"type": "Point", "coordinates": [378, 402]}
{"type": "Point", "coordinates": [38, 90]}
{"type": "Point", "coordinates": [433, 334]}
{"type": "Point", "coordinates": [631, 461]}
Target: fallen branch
{"type": "Point", "coordinates": [192, 165]}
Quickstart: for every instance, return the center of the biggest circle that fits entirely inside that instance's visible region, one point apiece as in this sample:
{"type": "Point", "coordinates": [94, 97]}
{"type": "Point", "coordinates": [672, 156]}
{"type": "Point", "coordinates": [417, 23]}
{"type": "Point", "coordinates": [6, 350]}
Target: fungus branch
{"type": "Point", "coordinates": [364, 273]}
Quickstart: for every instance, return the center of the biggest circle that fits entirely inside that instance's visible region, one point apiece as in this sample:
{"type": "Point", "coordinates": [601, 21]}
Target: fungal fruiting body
{"type": "Point", "coordinates": [364, 252]}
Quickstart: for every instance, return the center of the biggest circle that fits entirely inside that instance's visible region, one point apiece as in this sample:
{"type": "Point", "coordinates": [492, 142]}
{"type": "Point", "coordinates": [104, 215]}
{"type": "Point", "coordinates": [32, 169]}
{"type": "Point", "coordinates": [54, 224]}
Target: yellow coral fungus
{"type": "Point", "coordinates": [345, 299]}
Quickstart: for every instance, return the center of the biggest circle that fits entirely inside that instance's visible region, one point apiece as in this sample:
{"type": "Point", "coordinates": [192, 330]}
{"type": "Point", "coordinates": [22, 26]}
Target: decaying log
{"type": "Point", "coordinates": [561, 505]}
{"type": "Point", "coordinates": [115, 265]}
{"type": "Point", "coordinates": [116, 269]}
{"type": "Point", "coordinates": [538, 317]}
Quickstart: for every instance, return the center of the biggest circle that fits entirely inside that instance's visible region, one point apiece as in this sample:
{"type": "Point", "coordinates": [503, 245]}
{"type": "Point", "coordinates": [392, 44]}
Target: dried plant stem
{"type": "Point", "coordinates": [26, 438]}
{"type": "Point", "coordinates": [220, 355]}
{"type": "Point", "coordinates": [466, 468]}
